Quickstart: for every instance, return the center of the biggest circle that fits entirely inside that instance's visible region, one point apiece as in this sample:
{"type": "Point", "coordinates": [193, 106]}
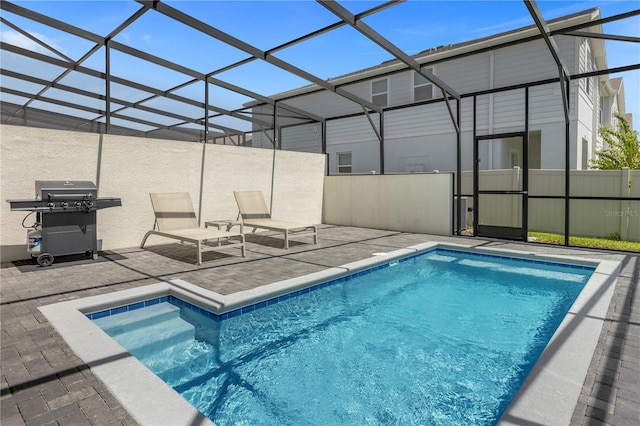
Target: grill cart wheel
{"type": "Point", "coordinates": [45, 259]}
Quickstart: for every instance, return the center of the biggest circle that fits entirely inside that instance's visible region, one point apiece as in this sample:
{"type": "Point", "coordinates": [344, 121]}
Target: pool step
{"type": "Point", "coordinates": [197, 366]}
{"type": "Point", "coordinates": [117, 324]}
{"type": "Point", "coordinates": [149, 330]}
{"type": "Point", "coordinates": [157, 337]}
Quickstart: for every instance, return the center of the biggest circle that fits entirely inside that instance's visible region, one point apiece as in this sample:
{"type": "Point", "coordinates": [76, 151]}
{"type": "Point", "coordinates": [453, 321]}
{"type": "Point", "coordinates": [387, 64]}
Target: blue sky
{"type": "Point", "coordinates": [413, 26]}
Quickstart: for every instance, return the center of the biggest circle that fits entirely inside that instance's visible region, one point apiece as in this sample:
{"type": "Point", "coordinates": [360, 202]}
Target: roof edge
{"type": "Point", "coordinates": [442, 52]}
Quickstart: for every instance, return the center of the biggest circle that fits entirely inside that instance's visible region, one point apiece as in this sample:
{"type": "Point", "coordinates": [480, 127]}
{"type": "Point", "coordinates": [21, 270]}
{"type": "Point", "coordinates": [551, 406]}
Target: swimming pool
{"type": "Point", "coordinates": [548, 396]}
{"type": "Point", "coordinates": [445, 337]}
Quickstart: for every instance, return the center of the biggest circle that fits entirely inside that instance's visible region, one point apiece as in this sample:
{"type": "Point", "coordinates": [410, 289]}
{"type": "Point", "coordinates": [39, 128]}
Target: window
{"type": "Point", "coordinates": [600, 108]}
{"type": "Point", "coordinates": [344, 162]}
{"type": "Point", "coordinates": [422, 88]}
{"type": "Point", "coordinates": [380, 92]}
{"type": "Point", "coordinates": [585, 154]}
{"type": "Point", "coordinates": [589, 68]}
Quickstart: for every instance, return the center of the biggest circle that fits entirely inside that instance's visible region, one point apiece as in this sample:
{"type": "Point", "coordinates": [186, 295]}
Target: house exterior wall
{"type": "Point", "coordinates": [355, 135]}
{"type": "Point", "coordinates": [304, 138]}
{"type": "Point", "coordinates": [422, 137]}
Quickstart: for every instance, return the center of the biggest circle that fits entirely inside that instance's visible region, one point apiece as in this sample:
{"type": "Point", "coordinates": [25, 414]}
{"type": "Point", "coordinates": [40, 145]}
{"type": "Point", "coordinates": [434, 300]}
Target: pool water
{"type": "Point", "coordinates": [442, 338]}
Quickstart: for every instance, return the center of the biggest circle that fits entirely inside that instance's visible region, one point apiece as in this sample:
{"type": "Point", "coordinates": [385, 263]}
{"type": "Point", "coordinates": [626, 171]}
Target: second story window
{"type": "Point", "coordinates": [422, 88]}
{"type": "Point", "coordinates": [589, 67]}
{"type": "Point", "coordinates": [344, 162]}
{"type": "Point", "coordinates": [380, 92]}
{"type": "Point", "coordinates": [600, 108]}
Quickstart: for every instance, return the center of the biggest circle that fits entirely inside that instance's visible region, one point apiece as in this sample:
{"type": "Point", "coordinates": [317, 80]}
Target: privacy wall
{"type": "Point", "coordinates": [130, 168]}
{"type": "Point", "coordinates": [419, 203]}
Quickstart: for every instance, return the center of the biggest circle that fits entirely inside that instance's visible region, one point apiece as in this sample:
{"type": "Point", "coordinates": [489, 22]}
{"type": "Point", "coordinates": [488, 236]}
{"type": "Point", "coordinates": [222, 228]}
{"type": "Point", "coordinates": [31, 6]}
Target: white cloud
{"type": "Point", "coordinates": [17, 39]}
{"type": "Point", "coordinates": [503, 26]}
{"type": "Point", "coordinates": [147, 38]}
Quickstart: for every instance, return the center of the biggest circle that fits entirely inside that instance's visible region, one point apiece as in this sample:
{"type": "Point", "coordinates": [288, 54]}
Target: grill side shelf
{"type": "Point", "coordinates": [43, 207]}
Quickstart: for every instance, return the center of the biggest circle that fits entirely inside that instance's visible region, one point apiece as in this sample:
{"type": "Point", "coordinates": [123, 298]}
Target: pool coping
{"type": "Point", "coordinates": [549, 394]}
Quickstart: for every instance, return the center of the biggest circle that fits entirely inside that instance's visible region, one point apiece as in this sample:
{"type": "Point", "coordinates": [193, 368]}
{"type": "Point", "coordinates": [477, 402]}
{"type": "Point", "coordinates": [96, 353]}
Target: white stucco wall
{"type": "Point", "coordinates": [130, 168]}
{"type": "Point", "coordinates": [407, 203]}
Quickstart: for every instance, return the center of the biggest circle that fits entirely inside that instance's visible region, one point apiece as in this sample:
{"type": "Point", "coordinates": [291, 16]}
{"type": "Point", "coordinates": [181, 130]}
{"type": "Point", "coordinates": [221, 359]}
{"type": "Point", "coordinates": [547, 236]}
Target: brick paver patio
{"type": "Point", "coordinates": [44, 383]}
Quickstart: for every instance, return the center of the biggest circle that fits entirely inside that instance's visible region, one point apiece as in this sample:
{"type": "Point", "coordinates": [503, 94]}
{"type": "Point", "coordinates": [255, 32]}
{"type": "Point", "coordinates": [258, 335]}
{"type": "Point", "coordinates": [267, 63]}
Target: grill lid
{"type": "Point", "coordinates": [69, 189]}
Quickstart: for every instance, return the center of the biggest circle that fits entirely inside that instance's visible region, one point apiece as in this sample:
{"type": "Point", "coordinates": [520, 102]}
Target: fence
{"type": "Point", "coordinates": [588, 217]}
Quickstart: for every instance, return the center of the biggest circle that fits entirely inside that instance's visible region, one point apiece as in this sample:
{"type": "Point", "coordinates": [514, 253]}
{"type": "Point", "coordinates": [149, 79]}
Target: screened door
{"type": "Point", "coordinates": [500, 186]}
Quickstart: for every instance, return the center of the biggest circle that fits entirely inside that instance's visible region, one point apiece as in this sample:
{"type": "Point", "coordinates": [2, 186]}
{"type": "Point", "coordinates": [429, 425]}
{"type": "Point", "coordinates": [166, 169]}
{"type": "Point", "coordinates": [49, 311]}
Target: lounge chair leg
{"type": "Point", "coordinates": [315, 235]}
{"type": "Point", "coordinates": [243, 249]}
{"type": "Point", "coordinates": [286, 239]}
{"type": "Point", "coordinates": [144, 240]}
{"type": "Point", "coordinates": [199, 247]}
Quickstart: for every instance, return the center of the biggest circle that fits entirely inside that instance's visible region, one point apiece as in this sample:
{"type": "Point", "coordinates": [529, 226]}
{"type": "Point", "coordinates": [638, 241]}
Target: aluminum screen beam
{"type": "Point", "coordinates": [51, 22]}
{"type": "Point", "coordinates": [597, 22]}
{"type": "Point", "coordinates": [156, 60]}
{"type": "Point", "coordinates": [262, 98]}
{"type": "Point", "coordinates": [310, 35]}
{"type": "Point", "coordinates": [603, 36]}
{"type": "Point", "coordinates": [64, 64]}
{"type": "Point", "coordinates": [565, 75]}
{"type": "Point", "coordinates": [548, 39]}
{"type": "Point", "coordinates": [202, 77]}
{"type": "Point", "coordinates": [125, 103]}
{"type": "Point", "coordinates": [498, 46]}
{"type": "Point", "coordinates": [370, 33]}
{"type": "Point", "coordinates": [51, 100]}
{"type": "Point", "coordinates": [374, 36]}
{"type": "Point", "coordinates": [252, 50]}
{"type": "Point", "coordinates": [100, 41]}
{"type": "Point", "coordinates": [124, 82]}
{"type": "Point", "coordinates": [35, 39]}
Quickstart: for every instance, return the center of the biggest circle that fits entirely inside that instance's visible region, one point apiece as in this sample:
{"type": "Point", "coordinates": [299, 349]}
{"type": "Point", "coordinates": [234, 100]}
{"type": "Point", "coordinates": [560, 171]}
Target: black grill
{"type": "Point", "coordinates": [66, 217]}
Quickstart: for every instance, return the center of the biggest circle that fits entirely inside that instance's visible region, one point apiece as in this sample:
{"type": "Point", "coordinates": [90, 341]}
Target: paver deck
{"type": "Point", "coordinates": [44, 382]}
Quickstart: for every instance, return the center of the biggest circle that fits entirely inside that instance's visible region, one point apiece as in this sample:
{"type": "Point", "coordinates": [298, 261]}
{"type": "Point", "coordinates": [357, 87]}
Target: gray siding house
{"type": "Point", "coordinates": [500, 87]}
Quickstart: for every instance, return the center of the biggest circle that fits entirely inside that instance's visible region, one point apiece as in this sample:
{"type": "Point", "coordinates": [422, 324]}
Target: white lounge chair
{"type": "Point", "coordinates": [176, 219]}
{"type": "Point", "coordinates": [255, 214]}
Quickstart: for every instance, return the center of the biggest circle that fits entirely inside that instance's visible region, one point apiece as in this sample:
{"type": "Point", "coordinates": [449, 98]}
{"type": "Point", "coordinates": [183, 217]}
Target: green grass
{"type": "Point", "coordinates": [600, 243]}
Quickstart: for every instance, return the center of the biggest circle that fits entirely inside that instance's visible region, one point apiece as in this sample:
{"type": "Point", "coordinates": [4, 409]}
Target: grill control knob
{"type": "Point", "coordinates": [77, 203]}
{"type": "Point", "coordinates": [64, 204]}
{"type": "Point", "coordinates": [51, 205]}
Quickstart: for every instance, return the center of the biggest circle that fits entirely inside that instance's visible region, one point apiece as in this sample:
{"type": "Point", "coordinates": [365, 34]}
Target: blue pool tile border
{"type": "Point", "coordinates": [127, 308]}
{"type": "Point", "coordinates": [218, 317]}
{"type": "Point", "coordinates": [514, 259]}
